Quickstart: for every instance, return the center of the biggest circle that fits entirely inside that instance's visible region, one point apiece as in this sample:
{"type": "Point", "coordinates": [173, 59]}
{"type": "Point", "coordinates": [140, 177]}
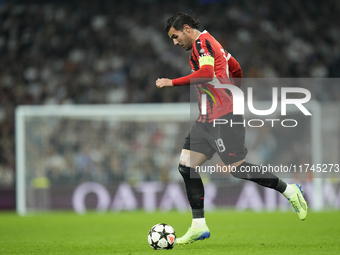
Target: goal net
{"type": "Point", "coordinates": [59, 147]}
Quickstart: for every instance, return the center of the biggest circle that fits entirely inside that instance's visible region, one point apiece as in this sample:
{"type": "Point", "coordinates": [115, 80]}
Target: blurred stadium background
{"type": "Point", "coordinates": [111, 52]}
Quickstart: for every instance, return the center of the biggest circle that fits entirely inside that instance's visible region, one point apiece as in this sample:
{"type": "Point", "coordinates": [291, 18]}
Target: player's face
{"type": "Point", "coordinates": [180, 38]}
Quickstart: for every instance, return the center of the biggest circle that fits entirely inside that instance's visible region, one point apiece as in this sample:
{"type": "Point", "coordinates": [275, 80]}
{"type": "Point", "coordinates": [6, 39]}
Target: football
{"type": "Point", "coordinates": [162, 237]}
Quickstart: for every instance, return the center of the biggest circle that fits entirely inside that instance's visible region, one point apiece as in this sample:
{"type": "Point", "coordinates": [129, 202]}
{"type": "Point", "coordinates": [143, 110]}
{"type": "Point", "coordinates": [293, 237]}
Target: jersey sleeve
{"type": "Point", "coordinates": [206, 73]}
{"type": "Point", "coordinates": [205, 52]}
{"type": "Point", "coordinates": [235, 71]}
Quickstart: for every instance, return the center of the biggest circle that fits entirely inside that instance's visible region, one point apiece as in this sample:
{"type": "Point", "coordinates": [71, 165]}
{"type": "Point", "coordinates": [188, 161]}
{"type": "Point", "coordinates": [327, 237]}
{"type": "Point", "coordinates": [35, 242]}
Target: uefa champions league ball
{"type": "Point", "coordinates": [162, 237]}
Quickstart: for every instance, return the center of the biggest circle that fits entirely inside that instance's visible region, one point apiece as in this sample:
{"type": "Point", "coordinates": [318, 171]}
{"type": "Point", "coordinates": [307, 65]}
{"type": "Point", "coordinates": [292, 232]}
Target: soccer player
{"type": "Point", "coordinates": [208, 60]}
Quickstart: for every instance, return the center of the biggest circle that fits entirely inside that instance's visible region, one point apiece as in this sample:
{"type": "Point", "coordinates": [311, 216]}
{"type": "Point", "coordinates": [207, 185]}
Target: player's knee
{"type": "Point", "coordinates": [239, 173]}
{"type": "Point", "coordinates": [184, 170]}
{"type": "Point", "coordinates": [188, 172]}
{"type": "Point", "coordinates": [184, 158]}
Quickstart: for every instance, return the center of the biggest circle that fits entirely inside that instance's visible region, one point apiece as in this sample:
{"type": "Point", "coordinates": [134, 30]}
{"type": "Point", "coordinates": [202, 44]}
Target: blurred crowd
{"type": "Point", "coordinates": [72, 150]}
{"type": "Point", "coordinates": [106, 52]}
{"type": "Point", "coordinates": [106, 151]}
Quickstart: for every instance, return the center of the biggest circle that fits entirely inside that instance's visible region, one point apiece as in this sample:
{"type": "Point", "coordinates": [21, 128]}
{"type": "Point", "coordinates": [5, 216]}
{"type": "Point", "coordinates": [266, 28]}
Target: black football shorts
{"type": "Point", "coordinates": [227, 139]}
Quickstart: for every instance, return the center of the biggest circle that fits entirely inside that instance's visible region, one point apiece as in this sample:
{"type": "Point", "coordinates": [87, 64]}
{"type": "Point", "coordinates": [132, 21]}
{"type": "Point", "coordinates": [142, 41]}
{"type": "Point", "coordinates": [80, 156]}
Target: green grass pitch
{"type": "Point", "coordinates": [126, 233]}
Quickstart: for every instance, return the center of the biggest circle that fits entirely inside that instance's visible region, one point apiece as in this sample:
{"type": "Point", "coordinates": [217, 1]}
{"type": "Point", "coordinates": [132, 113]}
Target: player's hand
{"type": "Point", "coordinates": [164, 82]}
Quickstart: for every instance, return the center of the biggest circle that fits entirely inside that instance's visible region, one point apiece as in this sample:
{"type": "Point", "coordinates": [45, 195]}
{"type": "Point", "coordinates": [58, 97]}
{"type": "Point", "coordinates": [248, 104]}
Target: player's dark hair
{"type": "Point", "coordinates": [178, 20]}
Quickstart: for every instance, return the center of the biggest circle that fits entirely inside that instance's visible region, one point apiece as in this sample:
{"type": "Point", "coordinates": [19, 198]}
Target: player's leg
{"type": "Point", "coordinates": [195, 193]}
{"type": "Point", "coordinates": [192, 179]}
{"type": "Point", "coordinates": [194, 153]}
{"type": "Point", "coordinates": [231, 148]}
{"type": "Point", "coordinates": [293, 192]}
{"type": "Point", "coordinates": [265, 179]}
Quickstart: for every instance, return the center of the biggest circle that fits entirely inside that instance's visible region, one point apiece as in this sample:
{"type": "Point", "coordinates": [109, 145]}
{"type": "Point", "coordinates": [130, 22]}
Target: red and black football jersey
{"type": "Point", "coordinates": [219, 101]}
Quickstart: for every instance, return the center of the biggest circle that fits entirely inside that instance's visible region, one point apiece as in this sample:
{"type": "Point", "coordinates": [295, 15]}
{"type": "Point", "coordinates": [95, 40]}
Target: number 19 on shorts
{"type": "Point", "coordinates": [220, 145]}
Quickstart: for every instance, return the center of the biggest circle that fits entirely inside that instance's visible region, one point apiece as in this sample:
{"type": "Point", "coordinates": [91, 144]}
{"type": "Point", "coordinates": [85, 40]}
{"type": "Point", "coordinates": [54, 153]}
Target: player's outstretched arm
{"type": "Point", "coordinates": [163, 82]}
{"type": "Point", "coordinates": [205, 74]}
